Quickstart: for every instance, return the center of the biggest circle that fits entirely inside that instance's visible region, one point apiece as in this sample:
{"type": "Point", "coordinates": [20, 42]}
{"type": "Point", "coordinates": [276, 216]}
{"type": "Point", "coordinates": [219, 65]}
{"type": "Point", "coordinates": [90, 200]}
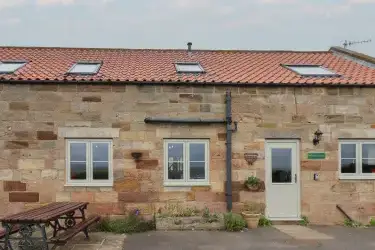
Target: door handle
{"type": "Point", "coordinates": [295, 178]}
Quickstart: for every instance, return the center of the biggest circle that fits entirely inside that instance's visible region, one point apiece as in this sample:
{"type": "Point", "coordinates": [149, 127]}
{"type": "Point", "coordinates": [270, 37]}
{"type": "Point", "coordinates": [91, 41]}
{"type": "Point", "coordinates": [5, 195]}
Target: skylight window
{"type": "Point", "coordinates": [311, 70]}
{"type": "Point", "coordinates": [85, 68]}
{"type": "Point", "coordinates": [10, 67]}
{"type": "Point", "coordinates": [189, 68]}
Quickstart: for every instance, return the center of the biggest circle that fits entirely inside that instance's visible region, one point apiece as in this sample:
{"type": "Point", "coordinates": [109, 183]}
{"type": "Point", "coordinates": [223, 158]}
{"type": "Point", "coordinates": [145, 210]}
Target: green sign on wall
{"type": "Point", "coordinates": [316, 155]}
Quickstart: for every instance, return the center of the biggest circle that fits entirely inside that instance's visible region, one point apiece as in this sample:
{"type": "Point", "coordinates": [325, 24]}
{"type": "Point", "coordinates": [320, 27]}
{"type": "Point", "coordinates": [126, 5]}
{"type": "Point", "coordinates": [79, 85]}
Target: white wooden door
{"type": "Point", "coordinates": [282, 180]}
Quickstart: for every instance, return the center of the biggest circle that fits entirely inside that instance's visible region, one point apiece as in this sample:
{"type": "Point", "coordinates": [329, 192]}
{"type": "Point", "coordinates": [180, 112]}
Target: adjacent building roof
{"type": "Point", "coordinates": [154, 65]}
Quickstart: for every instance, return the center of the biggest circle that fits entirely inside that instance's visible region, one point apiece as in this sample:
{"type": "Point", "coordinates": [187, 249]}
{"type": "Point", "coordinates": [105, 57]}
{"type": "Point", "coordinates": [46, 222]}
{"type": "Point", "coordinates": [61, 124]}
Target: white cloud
{"type": "Point", "coordinates": [69, 2]}
{"type": "Point", "coordinates": [10, 21]}
{"type": "Point", "coordinates": [11, 3]}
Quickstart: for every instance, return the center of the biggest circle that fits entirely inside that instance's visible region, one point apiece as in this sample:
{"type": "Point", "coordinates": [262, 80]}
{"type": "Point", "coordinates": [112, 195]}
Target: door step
{"type": "Point", "coordinates": [286, 222]}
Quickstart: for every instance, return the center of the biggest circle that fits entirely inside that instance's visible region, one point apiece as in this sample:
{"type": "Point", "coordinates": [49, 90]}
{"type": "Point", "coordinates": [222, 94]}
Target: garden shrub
{"type": "Point", "coordinates": [234, 222]}
{"type": "Point", "coordinates": [131, 224]}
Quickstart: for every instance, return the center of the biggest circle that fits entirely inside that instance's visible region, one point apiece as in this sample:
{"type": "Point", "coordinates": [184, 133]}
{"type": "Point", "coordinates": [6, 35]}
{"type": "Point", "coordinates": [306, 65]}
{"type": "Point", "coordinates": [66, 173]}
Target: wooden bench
{"type": "Point", "coordinates": [15, 229]}
{"type": "Point", "coordinates": [82, 226]}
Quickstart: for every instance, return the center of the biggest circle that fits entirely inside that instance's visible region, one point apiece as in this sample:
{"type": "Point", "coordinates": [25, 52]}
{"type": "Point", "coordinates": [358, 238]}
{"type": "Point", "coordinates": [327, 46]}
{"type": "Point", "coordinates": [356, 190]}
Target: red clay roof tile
{"type": "Point", "coordinates": [137, 65]}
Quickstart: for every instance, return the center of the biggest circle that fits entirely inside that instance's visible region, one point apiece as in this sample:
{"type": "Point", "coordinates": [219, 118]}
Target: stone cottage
{"type": "Point", "coordinates": [137, 128]}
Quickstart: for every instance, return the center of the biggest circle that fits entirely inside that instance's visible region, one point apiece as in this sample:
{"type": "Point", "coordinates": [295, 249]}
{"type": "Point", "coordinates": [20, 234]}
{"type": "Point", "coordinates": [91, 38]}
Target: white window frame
{"type": "Point", "coordinates": [358, 175]}
{"type": "Point", "coordinates": [89, 182]}
{"type": "Point", "coordinates": [186, 181]}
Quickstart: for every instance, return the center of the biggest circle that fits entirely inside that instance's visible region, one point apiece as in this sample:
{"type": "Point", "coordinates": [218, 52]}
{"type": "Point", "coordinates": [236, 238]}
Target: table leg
{"type": "Point", "coordinates": [44, 236]}
{"type": "Point", "coordinates": [7, 244]}
{"type": "Point", "coordinates": [28, 242]}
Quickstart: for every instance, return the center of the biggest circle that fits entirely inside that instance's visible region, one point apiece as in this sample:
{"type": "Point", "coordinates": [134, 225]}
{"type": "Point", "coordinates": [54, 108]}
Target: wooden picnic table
{"type": "Point", "coordinates": [61, 216]}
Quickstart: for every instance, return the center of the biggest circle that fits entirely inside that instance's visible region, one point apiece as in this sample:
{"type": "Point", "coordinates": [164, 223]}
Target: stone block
{"type": "Point", "coordinates": [50, 174]}
{"type": "Point", "coordinates": [82, 196]}
{"type": "Point", "coordinates": [148, 164]}
{"type": "Point", "coordinates": [31, 164]}
{"type": "Point", "coordinates": [63, 197]}
{"type": "Point", "coordinates": [205, 108]}
{"type": "Point", "coordinates": [46, 135]}
{"type": "Point", "coordinates": [31, 175]}
{"type": "Point", "coordinates": [210, 196]}
{"type": "Point", "coordinates": [193, 107]}
{"type": "Point", "coordinates": [123, 126]}
{"type": "Point", "coordinates": [43, 87]}
{"type": "Point", "coordinates": [11, 186]}
{"type": "Point", "coordinates": [23, 197]}
{"type": "Point", "coordinates": [330, 165]}
{"type": "Point", "coordinates": [91, 99]}
{"type": "Point", "coordinates": [314, 165]}
{"type": "Point", "coordinates": [342, 187]}
{"type": "Point", "coordinates": [127, 186]}
{"type": "Point", "coordinates": [16, 144]}
{"type": "Point", "coordinates": [134, 197]}
{"type": "Point", "coordinates": [173, 196]}
{"type": "Point", "coordinates": [190, 98]}
{"type": "Point", "coordinates": [334, 118]}
{"type": "Point", "coordinates": [70, 132]}
{"type": "Point", "coordinates": [19, 106]}
{"type": "Point", "coordinates": [102, 197]}
{"type": "Point", "coordinates": [246, 196]}
{"type": "Point", "coordinates": [6, 174]}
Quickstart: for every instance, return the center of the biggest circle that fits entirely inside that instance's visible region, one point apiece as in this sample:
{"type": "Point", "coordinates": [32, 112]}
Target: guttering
{"type": "Point", "coordinates": [184, 120]}
{"type": "Point", "coordinates": [193, 83]}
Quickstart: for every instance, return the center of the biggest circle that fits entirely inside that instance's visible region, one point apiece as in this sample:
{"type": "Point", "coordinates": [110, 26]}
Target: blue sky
{"type": "Point", "coordinates": [209, 24]}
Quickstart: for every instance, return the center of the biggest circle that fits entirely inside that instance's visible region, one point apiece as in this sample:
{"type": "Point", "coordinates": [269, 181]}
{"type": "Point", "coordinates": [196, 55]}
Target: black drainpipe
{"type": "Point", "coordinates": [228, 158]}
{"type": "Point", "coordinates": [228, 143]}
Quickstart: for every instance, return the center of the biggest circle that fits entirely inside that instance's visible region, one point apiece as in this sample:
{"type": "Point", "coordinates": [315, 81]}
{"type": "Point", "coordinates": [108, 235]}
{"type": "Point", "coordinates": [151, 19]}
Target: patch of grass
{"type": "Point", "coordinates": [372, 222]}
{"type": "Point", "coordinates": [175, 210]}
{"type": "Point", "coordinates": [234, 222]}
{"type": "Point", "coordinates": [131, 224]}
{"type": "Point", "coordinates": [209, 217]}
{"type": "Point", "coordinates": [350, 223]}
{"type": "Point", "coordinates": [305, 221]}
{"type": "Point", "coordinates": [264, 222]}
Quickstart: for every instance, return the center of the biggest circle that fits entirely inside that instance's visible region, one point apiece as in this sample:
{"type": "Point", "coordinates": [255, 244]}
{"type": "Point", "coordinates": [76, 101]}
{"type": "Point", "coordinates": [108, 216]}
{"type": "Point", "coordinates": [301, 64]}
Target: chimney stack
{"type": "Point", "coordinates": [189, 44]}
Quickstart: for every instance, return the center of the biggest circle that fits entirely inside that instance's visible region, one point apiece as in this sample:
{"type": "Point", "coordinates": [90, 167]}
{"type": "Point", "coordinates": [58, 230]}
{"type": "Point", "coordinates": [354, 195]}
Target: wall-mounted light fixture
{"type": "Point", "coordinates": [317, 137]}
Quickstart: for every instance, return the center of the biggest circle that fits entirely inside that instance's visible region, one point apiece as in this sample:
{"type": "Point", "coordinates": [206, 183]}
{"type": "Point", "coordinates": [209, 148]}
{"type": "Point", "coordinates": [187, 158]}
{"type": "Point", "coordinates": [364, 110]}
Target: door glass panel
{"type": "Point", "coordinates": [281, 165]}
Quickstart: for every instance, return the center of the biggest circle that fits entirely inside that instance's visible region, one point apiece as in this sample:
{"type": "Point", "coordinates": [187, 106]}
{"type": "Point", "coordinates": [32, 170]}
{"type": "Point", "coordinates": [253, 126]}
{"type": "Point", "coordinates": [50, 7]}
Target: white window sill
{"type": "Point", "coordinates": [110, 184]}
{"type": "Point", "coordinates": [186, 184]}
{"type": "Point", "coordinates": [357, 177]}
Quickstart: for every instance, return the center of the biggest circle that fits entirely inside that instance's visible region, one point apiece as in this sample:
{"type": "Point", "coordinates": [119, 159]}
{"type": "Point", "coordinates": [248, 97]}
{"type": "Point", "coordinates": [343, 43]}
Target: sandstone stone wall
{"type": "Point", "coordinates": [32, 152]}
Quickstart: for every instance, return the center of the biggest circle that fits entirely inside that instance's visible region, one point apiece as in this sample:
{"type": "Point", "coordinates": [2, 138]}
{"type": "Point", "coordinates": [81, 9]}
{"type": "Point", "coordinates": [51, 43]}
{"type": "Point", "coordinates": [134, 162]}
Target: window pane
{"type": "Point", "coordinates": [348, 151]}
{"type": "Point", "coordinates": [197, 152]}
{"type": "Point", "coordinates": [100, 151]}
{"type": "Point", "coordinates": [312, 70]}
{"type": "Point", "coordinates": [78, 170]}
{"type": "Point", "coordinates": [197, 170]}
{"type": "Point", "coordinates": [281, 165]}
{"type": "Point", "coordinates": [348, 166]}
{"type": "Point", "coordinates": [368, 151]}
{"type": "Point", "coordinates": [85, 68]}
{"type": "Point", "coordinates": [100, 171]}
{"type": "Point", "coordinates": [175, 152]}
{"type": "Point", "coordinates": [77, 151]}
{"type": "Point", "coordinates": [175, 170]}
{"type": "Point", "coordinates": [10, 67]}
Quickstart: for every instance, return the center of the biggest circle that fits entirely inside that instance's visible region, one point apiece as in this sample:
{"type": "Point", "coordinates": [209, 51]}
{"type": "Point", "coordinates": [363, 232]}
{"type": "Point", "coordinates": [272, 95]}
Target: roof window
{"type": "Point", "coordinates": [311, 70]}
{"type": "Point", "coordinates": [189, 67]}
{"type": "Point", "coordinates": [8, 67]}
{"type": "Point", "coordinates": [85, 68]}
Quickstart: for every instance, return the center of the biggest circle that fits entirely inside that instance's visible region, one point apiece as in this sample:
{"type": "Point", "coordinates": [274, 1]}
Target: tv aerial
{"type": "Point", "coordinates": [347, 43]}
